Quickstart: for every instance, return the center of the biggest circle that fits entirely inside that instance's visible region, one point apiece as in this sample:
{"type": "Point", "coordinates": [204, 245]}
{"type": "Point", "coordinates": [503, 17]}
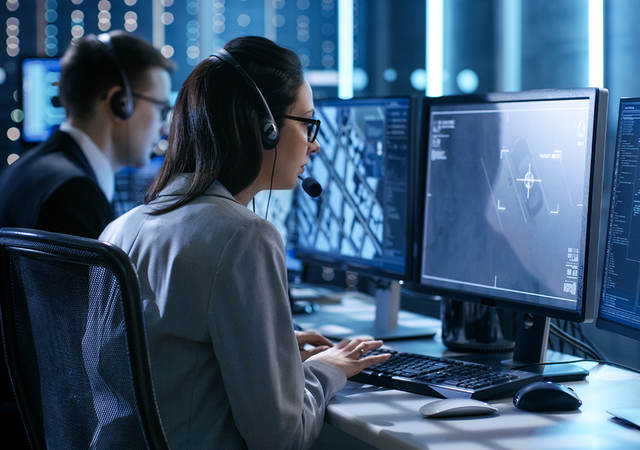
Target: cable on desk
{"type": "Point", "coordinates": [573, 361]}
{"type": "Point", "coordinates": [575, 342]}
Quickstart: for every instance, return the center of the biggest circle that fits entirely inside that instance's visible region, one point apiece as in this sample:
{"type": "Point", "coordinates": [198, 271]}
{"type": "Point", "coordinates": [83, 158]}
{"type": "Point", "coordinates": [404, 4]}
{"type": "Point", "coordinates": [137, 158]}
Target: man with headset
{"type": "Point", "coordinates": [115, 89]}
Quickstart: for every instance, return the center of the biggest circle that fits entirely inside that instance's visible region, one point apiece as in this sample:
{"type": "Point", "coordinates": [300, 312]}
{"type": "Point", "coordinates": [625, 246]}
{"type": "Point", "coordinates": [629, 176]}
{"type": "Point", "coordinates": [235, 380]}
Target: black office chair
{"type": "Point", "coordinates": [75, 342]}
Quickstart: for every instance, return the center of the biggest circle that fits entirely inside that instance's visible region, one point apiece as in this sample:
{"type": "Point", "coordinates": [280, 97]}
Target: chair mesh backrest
{"type": "Point", "coordinates": [73, 357]}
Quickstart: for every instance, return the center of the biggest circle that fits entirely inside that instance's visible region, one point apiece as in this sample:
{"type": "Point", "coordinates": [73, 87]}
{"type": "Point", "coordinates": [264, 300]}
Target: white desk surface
{"type": "Point", "coordinates": [389, 419]}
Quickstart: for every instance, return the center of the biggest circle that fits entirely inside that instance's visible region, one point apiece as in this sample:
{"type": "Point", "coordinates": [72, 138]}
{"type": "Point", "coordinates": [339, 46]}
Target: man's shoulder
{"type": "Point", "coordinates": [59, 155]}
{"type": "Point", "coordinates": [54, 160]}
{"type": "Point", "coordinates": [48, 177]}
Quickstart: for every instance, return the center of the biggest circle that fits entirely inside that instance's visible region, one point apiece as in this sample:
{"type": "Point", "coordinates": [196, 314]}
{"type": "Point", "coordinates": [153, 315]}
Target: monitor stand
{"type": "Point", "coordinates": [472, 327]}
{"type": "Point", "coordinates": [532, 336]}
{"type": "Point", "coordinates": [386, 326]}
{"type": "Point", "coordinates": [382, 324]}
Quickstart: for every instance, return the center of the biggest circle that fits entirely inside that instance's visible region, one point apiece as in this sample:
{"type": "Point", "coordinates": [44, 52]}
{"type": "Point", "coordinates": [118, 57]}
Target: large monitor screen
{"type": "Point", "coordinates": [40, 102]}
{"type": "Point", "coordinates": [620, 299]}
{"type": "Point", "coordinates": [510, 186]}
{"type": "Point", "coordinates": [360, 220]}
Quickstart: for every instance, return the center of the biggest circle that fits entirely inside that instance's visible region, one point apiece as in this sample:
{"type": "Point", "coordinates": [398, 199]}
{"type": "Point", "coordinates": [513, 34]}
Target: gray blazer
{"type": "Point", "coordinates": [225, 360]}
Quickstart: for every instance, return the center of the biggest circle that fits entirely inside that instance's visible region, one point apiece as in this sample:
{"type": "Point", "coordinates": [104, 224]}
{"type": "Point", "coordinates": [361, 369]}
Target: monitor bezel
{"type": "Point", "coordinates": [601, 322]}
{"type": "Point", "coordinates": [23, 59]}
{"type": "Point", "coordinates": [316, 258]}
{"type": "Point", "coordinates": [593, 261]}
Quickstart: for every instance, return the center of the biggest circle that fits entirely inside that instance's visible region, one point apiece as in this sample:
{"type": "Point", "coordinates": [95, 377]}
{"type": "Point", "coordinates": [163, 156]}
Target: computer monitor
{"type": "Point", "coordinates": [512, 205]}
{"type": "Point", "coordinates": [362, 220]}
{"type": "Point", "coordinates": [39, 98]}
{"type": "Point", "coordinates": [359, 222]}
{"type": "Point", "coordinates": [620, 298]}
{"type": "Point", "coordinates": [619, 309]}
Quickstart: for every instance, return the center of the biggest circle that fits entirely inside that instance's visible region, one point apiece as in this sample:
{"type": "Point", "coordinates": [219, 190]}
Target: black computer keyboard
{"type": "Point", "coordinates": [444, 378]}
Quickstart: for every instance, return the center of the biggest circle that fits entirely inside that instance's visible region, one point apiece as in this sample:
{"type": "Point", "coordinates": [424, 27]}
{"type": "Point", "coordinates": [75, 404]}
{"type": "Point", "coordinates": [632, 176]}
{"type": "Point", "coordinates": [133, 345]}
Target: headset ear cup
{"type": "Point", "coordinates": [121, 105]}
{"type": "Point", "coordinates": [270, 135]}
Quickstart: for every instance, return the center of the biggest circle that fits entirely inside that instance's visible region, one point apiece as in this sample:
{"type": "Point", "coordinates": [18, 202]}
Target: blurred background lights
{"type": "Point", "coordinates": [467, 81]}
{"type": "Point", "coordinates": [192, 7]}
{"type": "Point", "coordinates": [167, 51]}
{"type": "Point", "coordinates": [244, 20]}
{"type": "Point", "coordinates": [302, 28]}
{"type": "Point", "coordinates": [13, 157]}
{"type": "Point", "coordinates": [328, 46]}
{"type": "Point", "coordinates": [390, 75]}
{"type": "Point", "coordinates": [193, 51]}
{"type": "Point", "coordinates": [218, 21]}
{"type": "Point", "coordinates": [50, 15]}
{"type": "Point", "coordinates": [166, 18]}
{"type": "Point", "coordinates": [328, 61]}
{"type": "Point", "coordinates": [12, 5]}
{"type": "Point", "coordinates": [104, 16]}
{"type": "Point", "coordinates": [77, 31]}
{"type": "Point", "coordinates": [17, 115]}
{"type": "Point", "coordinates": [305, 60]}
{"type": "Point", "coordinates": [360, 79]}
{"type": "Point", "coordinates": [13, 134]}
{"type": "Point", "coordinates": [77, 15]}
{"type": "Point", "coordinates": [418, 79]}
{"type": "Point", "coordinates": [3, 75]}
{"type": "Point", "coordinates": [162, 146]}
{"type": "Point", "coordinates": [130, 2]}
{"type": "Point", "coordinates": [130, 21]}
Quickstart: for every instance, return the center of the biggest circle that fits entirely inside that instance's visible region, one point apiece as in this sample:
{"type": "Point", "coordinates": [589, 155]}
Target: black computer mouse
{"type": "Point", "coordinates": [546, 396]}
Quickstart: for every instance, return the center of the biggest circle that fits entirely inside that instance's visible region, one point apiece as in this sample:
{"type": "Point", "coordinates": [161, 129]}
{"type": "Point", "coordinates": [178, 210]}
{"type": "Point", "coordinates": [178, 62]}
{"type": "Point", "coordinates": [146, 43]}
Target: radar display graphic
{"type": "Point", "coordinates": [506, 192]}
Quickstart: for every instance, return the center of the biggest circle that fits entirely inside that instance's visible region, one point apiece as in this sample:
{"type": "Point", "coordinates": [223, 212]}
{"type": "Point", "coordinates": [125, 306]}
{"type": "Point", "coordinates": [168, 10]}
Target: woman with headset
{"type": "Point", "coordinates": [227, 366]}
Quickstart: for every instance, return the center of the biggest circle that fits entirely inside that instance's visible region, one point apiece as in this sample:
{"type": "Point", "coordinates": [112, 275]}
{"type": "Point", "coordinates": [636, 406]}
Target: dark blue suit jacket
{"type": "Point", "coordinates": [52, 187]}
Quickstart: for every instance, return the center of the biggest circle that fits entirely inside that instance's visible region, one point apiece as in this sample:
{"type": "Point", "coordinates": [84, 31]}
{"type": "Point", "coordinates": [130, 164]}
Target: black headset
{"type": "Point", "coordinates": [122, 101]}
{"type": "Point", "coordinates": [268, 128]}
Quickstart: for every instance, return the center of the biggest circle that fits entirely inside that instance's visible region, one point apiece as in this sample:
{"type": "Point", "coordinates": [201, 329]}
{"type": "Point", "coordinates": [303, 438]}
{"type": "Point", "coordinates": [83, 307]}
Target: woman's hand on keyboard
{"type": "Point", "coordinates": [311, 343]}
{"type": "Point", "coordinates": [348, 355]}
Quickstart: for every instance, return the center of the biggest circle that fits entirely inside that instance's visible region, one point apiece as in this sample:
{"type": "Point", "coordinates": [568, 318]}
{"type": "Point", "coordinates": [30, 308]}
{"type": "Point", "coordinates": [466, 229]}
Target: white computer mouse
{"type": "Point", "coordinates": [456, 407]}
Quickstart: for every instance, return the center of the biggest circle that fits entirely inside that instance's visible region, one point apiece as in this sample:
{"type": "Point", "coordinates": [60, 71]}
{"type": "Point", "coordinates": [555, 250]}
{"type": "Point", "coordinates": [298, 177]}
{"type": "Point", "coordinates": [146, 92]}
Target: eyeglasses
{"type": "Point", "coordinates": [165, 107]}
{"type": "Point", "coordinates": [313, 126]}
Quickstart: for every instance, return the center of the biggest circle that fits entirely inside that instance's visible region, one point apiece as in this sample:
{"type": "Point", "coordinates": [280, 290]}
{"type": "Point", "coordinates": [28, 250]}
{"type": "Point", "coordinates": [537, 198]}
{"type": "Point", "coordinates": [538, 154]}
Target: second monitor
{"type": "Point", "coordinates": [512, 204]}
{"type": "Point", "coordinates": [360, 221]}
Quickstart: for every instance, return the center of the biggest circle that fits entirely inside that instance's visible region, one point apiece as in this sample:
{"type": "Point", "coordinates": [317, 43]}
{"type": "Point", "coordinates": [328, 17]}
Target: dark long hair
{"type": "Point", "coordinates": [215, 131]}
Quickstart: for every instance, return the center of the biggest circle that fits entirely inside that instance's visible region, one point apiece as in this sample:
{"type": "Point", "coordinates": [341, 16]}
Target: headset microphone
{"type": "Point", "coordinates": [311, 186]}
